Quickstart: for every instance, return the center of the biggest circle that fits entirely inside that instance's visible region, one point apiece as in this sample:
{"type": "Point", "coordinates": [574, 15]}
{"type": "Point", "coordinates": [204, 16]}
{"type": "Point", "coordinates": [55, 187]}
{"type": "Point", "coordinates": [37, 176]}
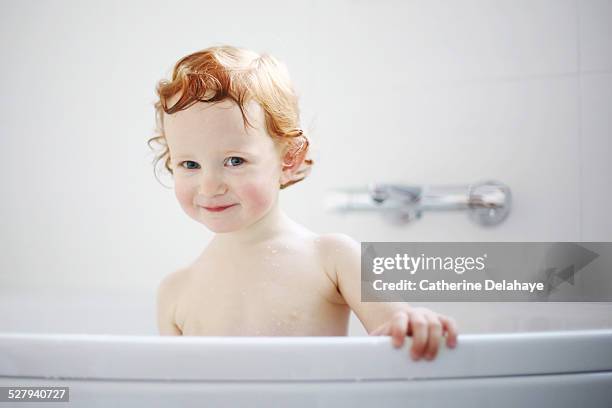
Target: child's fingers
{"type": "Point", "coordinates": [419, 334]}
{"type": "Point", "coordinates": [399, 328]}
{"type": "Point", "coordinates": [380, 330]}
{"type": "Point", "coordinates": [450, 326]}
{"type": "Point", "coordinates": [434, 334]}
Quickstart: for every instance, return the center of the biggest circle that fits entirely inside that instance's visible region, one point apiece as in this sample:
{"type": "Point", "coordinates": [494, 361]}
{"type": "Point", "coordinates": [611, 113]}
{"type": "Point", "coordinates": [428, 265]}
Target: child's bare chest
{"type": "Point", "coordinates": [269, 293]}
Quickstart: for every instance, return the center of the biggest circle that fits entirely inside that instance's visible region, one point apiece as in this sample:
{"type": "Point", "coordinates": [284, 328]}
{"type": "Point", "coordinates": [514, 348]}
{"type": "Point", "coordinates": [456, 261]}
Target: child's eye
{"type": "Point", "coordinates": [189, 165]}
{"type": "Point", "coordinates": [234, 161]}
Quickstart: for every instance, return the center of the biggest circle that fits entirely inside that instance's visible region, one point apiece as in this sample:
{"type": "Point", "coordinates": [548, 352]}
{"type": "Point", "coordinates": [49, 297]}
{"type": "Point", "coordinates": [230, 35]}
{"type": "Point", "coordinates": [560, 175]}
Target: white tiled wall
{"type": "Point", "coordinates": [596, 135]}
{"type": "Point", "coordinates": [595, 62]}
{"type": "Point", "coordinates": [595, 32]}
{"type": "Point", "coordinates": [417, 92]}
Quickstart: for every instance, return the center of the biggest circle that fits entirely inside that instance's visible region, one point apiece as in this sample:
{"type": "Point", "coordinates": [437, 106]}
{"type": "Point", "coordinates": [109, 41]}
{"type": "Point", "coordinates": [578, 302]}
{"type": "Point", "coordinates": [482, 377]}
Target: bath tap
{"type": "Point", "coordinates": [488, 203]}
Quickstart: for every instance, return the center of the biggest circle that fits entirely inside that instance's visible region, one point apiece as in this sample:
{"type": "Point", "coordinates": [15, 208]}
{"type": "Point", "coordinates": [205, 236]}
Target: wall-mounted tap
{"type": "Point", "coordinates": [488, 203]}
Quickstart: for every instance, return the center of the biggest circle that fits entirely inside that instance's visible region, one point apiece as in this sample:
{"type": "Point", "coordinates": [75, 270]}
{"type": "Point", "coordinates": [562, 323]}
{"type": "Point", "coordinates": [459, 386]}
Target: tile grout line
{"type": "Point", "coordinates": [579, 117]}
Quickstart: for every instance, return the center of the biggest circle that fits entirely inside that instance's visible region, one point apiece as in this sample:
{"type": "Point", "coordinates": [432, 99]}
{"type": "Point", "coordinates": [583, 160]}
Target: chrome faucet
{"type": "Point", "coordinates": [488, 203]}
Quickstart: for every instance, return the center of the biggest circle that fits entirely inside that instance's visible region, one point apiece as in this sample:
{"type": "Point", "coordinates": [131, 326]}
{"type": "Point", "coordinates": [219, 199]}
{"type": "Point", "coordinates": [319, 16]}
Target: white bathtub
{"type": "Point", "coordinates": [537, 369]}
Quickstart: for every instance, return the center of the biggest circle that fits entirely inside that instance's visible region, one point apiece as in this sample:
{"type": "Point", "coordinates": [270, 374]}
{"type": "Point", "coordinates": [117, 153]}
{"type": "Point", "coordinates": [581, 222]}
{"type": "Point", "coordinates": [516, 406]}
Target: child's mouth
{"type": "Point", "coordinates": [218, 209]}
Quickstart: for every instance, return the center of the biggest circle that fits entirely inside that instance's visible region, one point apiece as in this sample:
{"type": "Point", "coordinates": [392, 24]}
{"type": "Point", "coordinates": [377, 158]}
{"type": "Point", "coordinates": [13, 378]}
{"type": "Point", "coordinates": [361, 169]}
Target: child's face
{"type": "Point", "coordinates": [225, 177]}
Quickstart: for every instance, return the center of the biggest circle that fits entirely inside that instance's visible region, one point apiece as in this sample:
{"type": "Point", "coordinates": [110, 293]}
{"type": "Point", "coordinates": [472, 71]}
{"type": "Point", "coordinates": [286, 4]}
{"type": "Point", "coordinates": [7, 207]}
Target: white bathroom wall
{"type": "Point", "coordinates": [415, 92]}
{"type": "Point", "coordinates": [595, 32]}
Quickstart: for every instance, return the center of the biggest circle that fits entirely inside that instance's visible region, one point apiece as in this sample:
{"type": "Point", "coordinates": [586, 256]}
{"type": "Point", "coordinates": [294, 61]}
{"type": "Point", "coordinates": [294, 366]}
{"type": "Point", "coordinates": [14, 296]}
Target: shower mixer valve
{"type": "Point", "coordinates": [487, 203]}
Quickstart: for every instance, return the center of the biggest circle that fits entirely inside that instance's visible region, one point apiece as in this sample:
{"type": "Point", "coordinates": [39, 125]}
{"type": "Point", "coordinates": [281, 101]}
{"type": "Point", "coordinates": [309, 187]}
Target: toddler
{"type": "Point", "coordinates": [229, 133]}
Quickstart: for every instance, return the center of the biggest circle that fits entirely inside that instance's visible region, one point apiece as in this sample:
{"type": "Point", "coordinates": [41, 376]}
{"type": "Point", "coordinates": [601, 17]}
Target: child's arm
{"type": "Point", "coordinates": [166, 306]}
{"type": "Point", "coordinates": [396, 319]}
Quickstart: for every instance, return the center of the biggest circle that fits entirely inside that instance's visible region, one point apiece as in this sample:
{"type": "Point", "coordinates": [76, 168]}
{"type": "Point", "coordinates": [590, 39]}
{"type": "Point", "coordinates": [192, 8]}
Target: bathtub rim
{"type": "Point", "coordinates": [194, 358]}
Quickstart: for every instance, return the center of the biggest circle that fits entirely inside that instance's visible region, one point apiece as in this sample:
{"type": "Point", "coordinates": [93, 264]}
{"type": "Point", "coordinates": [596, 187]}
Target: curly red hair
{"type": "Point", "coordinates": [226, 72]}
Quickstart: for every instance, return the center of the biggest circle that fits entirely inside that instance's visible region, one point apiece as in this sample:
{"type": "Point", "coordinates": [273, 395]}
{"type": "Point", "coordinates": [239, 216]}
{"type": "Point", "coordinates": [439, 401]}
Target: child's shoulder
{"type": "Point", "coordinates": [171, 284]}
{"type": "Point", "coordinates": [338, 249]}
{"type": "Point", "coordinates": [336, 242]}
{"type": "Point", "coordinates": [324, 243]}
{"type": "Point", "coordinates": [332, 244]}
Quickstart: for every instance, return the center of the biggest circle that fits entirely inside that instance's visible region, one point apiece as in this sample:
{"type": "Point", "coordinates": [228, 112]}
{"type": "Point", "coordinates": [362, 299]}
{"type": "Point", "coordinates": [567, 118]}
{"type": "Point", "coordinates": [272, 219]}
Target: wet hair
{"type": "Point", "coordinates": [226, 72]}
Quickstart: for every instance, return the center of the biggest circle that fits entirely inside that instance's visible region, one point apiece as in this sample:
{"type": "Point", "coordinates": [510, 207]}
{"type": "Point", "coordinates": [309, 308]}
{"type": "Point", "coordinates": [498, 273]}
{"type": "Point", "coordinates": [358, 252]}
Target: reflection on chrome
{"type": "Point", "coordinates": [488, 203]}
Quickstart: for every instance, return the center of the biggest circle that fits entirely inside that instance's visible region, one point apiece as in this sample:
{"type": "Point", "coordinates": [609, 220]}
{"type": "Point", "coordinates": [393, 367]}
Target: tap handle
{"type": "Point", "coordinates": [381, 192]}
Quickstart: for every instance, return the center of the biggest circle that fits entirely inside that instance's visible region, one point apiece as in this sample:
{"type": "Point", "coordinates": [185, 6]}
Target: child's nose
{"type": "Point", "coordinates": [212, 184]}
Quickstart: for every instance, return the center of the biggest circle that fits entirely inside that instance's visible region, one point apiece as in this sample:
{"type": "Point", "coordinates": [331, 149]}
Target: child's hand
{"type": "Point", "coordinates": [426, 328]}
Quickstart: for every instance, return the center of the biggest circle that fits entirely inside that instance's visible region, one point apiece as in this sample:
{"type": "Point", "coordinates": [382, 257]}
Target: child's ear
{"type": "Point", "coordinates": [292, 159]}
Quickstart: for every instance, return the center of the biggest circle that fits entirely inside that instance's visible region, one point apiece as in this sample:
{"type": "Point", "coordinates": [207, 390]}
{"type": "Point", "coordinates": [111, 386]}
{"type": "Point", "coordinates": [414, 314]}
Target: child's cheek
{"type": "Point", "coordinates": [259, 196]}
{"type": "Point", "coordinates": [185, 197]}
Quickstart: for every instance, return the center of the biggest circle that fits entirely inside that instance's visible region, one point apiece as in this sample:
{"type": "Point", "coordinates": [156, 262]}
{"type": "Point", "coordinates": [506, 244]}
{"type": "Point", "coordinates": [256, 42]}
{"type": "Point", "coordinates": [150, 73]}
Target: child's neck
{"type": "Point", "coordinates": [269, 226]}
